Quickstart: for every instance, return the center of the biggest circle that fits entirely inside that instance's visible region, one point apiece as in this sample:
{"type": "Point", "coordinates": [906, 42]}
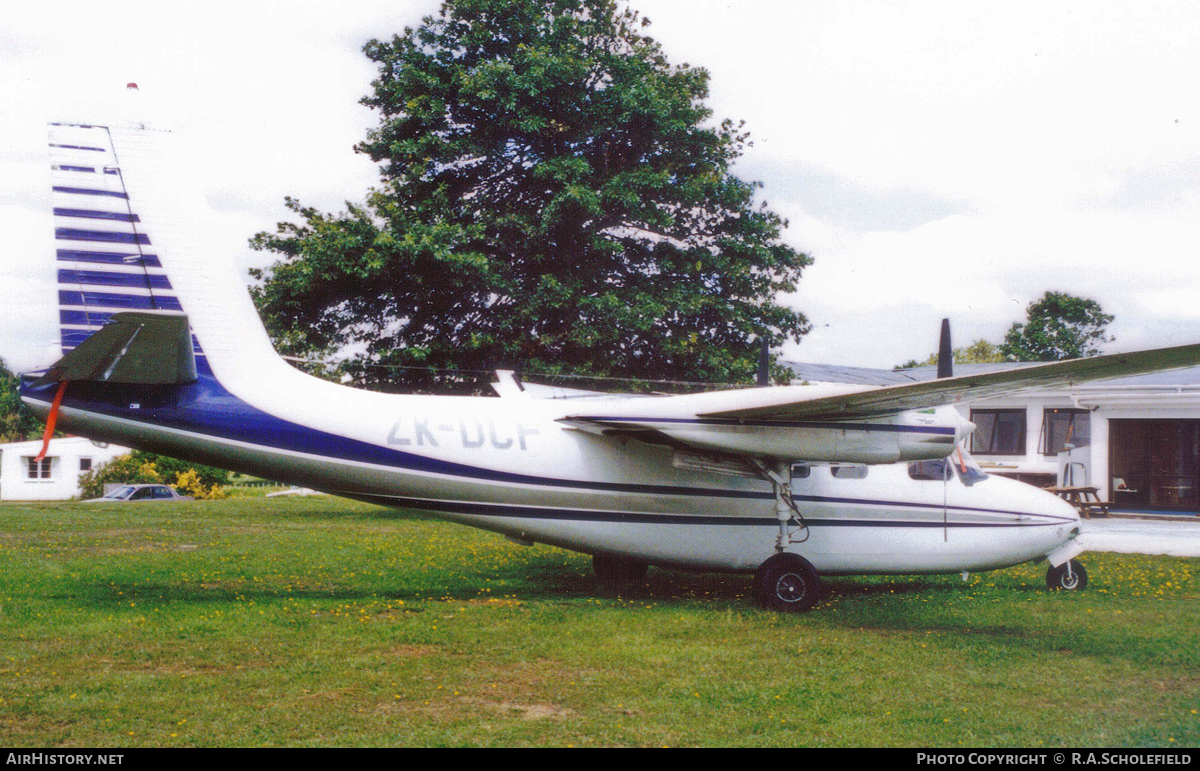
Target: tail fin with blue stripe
{"type": "Point", "coordinates": [106, 254]}
{"type": "Point", "coordinates": [133, 233]}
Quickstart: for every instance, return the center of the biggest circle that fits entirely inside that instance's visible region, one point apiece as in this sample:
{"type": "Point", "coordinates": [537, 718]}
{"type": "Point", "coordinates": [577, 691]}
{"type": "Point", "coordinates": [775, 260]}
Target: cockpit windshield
{"type": "Point", "coordinates": [930, 470]}
{"type": "Point", "coordinates": [966, 467]}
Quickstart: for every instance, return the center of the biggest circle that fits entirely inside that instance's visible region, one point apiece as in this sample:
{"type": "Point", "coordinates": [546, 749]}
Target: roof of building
{"type": "Point", "coordinates": [56, 445]}
{"type": "Point", "coordinates": [827, 373]}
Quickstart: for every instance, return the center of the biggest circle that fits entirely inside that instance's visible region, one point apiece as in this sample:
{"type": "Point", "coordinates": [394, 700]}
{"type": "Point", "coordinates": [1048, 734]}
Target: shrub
{"type": "Point", "coordinates": [195, 479]}
{"type": "Point", "coordinates": [189, 483]}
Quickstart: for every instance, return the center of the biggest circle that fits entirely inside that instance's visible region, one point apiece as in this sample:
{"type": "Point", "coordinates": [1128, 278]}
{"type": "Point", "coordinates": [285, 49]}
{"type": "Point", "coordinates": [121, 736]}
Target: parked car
{"type": "Point", "coordinates": [138, 493]}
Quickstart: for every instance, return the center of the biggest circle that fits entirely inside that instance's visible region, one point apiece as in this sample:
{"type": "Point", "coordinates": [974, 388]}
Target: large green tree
{"type": "Point", "coordinates": [1058, 326]}
{"type": "Point", "coordinates": [554, 196]}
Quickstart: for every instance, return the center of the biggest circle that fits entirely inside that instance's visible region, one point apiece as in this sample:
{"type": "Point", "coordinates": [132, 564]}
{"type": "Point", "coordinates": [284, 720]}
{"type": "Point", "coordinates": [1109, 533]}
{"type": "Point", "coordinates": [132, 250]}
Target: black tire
{"type": "Point", "coordinates": [613, 569]}
{"type": "Point", "coordinates": [787, 582]}
{"type": "Point", "coordinates": [1058, 579]}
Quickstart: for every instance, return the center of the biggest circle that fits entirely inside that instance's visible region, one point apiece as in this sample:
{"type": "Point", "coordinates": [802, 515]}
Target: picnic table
{"type": "Point", "coordinates": [1086, 499]}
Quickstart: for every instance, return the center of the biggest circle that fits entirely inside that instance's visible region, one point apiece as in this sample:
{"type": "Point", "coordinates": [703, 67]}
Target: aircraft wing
{"type": "Point", "coordinates": [142, 347]}
{"type": "Point", "coordinates": [891, 400]}
{"type": "Point", "coordinates": [846, 423]}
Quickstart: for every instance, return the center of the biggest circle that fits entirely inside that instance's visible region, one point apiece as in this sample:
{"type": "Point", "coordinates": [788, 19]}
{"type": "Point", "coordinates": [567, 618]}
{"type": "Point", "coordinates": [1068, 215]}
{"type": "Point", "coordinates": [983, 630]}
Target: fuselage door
{"type": "Point", "coordinates": [930, 479]}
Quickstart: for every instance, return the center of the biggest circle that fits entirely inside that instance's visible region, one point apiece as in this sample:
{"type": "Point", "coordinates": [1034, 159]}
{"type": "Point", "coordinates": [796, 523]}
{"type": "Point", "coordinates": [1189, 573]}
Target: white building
{"type": "Point", "coordinates": [56, 477]}
{"type": "Point", "coordinates": [1136, 439]}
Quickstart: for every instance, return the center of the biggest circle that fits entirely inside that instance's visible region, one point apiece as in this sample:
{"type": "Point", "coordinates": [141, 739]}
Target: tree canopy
{"type": "Point", "coordinates": [978, 352]}
{"type": "Point", "coordinates": [17, 422]}
{"type": "Point", "coordinates": [1058, 326]}
{"type": "Point", "coordinates": [553, 196]}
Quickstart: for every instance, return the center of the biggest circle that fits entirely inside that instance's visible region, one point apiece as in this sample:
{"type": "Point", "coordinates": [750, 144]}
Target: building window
{"type": "Point", "coordinates": [39, 470]}
{"type": "Point", "coordinates": [85, 464]}
{"type": "Point", "coordinates": [998, 432]}
{"type": "Point", "coordinates": [1061, 427]}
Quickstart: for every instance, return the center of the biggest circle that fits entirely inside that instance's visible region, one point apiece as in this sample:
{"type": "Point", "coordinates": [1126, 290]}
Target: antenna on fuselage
{"type": "Point", "coordinates": [945, 352]}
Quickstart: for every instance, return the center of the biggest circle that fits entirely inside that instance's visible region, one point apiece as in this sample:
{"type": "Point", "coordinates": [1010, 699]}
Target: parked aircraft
{"type": "Point", "coordinates": [163, 351]}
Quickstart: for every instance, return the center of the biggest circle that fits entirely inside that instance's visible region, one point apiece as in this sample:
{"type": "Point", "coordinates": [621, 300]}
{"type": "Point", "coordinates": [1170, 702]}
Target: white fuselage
{"type": "Point", "coordinates": [509, 465]}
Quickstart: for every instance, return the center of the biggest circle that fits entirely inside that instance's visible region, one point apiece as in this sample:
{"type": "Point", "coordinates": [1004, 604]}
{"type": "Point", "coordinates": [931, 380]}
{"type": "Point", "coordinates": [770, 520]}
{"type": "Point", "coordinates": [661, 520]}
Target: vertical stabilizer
{"type": "Point", "coordinates": [107, 261]}
{"type": "Point", "coordinates": [129, 236]}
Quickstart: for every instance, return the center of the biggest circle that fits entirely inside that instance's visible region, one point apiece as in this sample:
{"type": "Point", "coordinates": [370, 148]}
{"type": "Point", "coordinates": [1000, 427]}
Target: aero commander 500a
{"type": "Point", "coordinates": [163, 351]}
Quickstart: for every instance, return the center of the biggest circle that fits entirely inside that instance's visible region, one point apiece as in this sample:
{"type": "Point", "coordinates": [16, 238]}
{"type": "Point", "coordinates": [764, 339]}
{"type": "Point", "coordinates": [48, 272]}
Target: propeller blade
{"type": "Point", "coordinates": [764, 361]}
{"type": "Point", "coordinates": [945, 352]}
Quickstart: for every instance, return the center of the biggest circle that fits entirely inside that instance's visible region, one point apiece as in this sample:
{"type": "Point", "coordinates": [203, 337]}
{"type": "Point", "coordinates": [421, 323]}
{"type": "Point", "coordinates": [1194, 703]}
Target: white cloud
{"type": "Point", "coordinates": [935, 158]}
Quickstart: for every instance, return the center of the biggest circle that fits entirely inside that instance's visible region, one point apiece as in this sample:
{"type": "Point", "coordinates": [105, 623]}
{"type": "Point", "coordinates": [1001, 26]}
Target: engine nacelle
{"type": "Point", "coordinates": [915, 435]}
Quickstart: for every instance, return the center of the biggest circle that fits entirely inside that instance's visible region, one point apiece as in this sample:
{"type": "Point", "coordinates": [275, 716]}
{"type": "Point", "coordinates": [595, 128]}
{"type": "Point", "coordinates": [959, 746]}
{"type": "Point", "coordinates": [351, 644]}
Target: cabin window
{"type": "Point", "coordinates": [39, 470]}
{"type": "Point", "coordinates": [1061, 427]}
{"type": "Point", "coordinates": [85, 464]}
{"type": "Point", "coordinates": [998, 432]}
{"type": "Point", "coordinates": [801, 471]}
{"type": "Point", "coordinates": [930, 470]}
{"type": "Point", "coordinates": [848, 472]}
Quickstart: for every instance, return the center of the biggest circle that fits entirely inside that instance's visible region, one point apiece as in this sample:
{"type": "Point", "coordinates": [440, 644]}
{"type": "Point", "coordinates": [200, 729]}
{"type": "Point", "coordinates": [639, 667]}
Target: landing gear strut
{"type": "Point", "coordinates": [786, 511]}
{"type": "Point", "coordinates": [786, 581]}
{"type": "Point", "coordinates": [1069, 576]}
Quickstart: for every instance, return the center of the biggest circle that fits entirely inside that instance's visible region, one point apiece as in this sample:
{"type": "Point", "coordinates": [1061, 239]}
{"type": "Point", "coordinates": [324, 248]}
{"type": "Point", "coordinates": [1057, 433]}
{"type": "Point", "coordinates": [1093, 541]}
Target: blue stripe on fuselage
{"type": "Point", "coordinates": [205, 407]}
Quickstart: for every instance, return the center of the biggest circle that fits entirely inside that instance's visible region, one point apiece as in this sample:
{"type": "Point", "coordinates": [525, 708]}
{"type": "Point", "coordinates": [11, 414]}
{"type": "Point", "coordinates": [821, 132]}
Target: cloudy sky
{"type": "Point", "coordinates": [935, 158]}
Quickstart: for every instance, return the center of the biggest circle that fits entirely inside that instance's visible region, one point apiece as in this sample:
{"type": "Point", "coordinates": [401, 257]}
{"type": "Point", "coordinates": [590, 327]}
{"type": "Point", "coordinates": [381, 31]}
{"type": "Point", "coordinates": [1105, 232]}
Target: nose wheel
{"type": "Point", "coordinates": [787, 582]}
{"type": "Point", "coordinates": [1069, 577]}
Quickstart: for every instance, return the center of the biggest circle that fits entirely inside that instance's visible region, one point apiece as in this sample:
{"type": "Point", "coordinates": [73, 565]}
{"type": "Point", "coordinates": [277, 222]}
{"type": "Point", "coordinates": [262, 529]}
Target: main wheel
{"type": "Point", "coordinates": [1059, 578]}
{"type": "Point", "coordinates": [787, 582]}
{"type": "Point", "coordinates": [612, 569]}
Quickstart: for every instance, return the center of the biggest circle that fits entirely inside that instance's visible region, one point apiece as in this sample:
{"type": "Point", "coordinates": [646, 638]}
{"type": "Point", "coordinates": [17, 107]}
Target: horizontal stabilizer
{"type": "Point", "coordinates": [135, 347]}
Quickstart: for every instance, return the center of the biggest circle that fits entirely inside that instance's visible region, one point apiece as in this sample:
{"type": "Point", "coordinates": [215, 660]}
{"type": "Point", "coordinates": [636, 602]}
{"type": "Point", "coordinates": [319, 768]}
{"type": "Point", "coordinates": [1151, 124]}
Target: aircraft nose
{"type": "Point", "coordinates": [1050, 504]}
{"type": "Point", "coordinates": [1067, 509]}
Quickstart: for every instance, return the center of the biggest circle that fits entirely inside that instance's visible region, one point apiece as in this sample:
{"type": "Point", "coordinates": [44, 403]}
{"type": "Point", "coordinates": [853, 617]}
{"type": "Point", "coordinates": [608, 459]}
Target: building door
{"type": "Point", "coordinates": [1155, 464]}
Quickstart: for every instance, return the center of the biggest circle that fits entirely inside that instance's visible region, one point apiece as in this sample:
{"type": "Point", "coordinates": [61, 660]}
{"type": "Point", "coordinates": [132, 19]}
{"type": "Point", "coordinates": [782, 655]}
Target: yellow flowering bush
{"type": "Point", "coordinates": [194, 479]}
{"type": "Point", "coordinates": [189, 483]}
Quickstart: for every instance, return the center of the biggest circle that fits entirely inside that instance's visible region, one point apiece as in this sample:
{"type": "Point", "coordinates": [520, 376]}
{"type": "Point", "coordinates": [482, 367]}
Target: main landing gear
{"type": "Point", "coordinates": [786, 581]}
{"type": "Point", "coordinates": [1069, 577]}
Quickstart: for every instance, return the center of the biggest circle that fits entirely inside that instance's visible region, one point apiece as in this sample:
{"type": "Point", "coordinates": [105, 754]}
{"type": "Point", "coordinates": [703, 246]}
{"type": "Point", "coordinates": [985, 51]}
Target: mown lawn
{"type": "Point", "coordinates": [318, 621]}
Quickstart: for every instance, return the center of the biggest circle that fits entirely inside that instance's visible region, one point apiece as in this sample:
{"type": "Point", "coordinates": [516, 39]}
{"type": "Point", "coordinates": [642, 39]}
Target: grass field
{"type": "Point", "coordinates": [318, 621]}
